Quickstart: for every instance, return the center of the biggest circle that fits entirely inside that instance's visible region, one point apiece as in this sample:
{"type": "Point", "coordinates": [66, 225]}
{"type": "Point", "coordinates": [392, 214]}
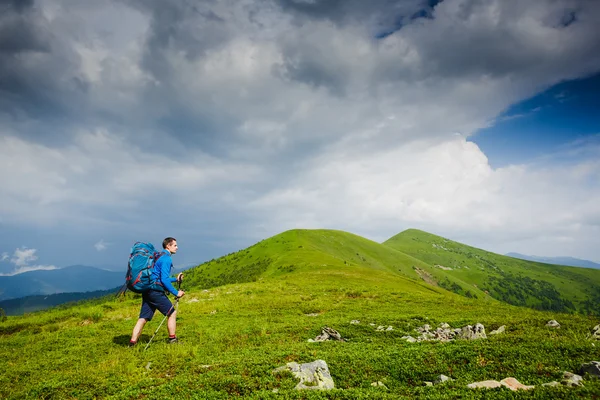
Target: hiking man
{"type": "Point", "coordinates": [156, 298]}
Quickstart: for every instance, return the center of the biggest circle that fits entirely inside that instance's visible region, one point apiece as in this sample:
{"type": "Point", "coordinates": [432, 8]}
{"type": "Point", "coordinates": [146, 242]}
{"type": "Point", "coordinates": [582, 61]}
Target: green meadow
{"type": "Point", "coordinates": [250, 312]}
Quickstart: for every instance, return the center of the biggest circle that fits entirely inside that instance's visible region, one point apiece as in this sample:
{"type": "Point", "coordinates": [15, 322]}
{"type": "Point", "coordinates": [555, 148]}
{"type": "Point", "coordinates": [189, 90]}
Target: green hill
{"type": "Point", "coordinates": [512, 280]}
{"type": "Point", "coordinates": [270, 299]}
{"type": "Point", "coordinates": [317, 250]}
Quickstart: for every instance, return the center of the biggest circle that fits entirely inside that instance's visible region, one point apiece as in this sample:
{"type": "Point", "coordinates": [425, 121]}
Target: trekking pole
{"type": "Point", "coordinates": [163, 320]}
{"type": "Point", "coordinates": [121, 291]}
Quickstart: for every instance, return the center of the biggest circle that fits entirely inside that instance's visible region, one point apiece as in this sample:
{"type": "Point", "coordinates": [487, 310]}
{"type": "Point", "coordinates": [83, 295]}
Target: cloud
{"type": "Point", "coordinates": [4, 256]}
{"type": "Point", "coordinates": [22, 258]}
{"type": "Point", "coordinates": [101, 245]}
{"type": "Point", "coordinates": [447, 188]}
{"type": "Point", "coordinates": [21, 270]}
{"type": "Point", "coordinates": [241, 119]}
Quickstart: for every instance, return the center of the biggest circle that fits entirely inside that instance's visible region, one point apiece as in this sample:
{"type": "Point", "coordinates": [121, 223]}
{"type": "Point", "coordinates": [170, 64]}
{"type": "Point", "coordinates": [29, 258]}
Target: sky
{"type": "Point", "coordinates": [222, 123]}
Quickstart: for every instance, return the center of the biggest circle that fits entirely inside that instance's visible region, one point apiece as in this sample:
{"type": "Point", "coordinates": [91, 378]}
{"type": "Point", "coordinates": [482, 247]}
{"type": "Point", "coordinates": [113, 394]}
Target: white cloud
{"type": "Point", "coordinates": [22, 258]}
{"type": "Point", "coordinates": [4, 256]}
{"type": "Point", "coordinates": [445, 187]}
{"type": "Point", "coordinates": [21, 270]}
{"type": "Point", "coordinates": [101, 245]}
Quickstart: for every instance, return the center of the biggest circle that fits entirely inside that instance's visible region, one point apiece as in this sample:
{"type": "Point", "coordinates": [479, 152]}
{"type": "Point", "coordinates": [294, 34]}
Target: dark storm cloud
{"type": "Point", "coordinates": [19, 30]}
{"type": "Point", "coordinates": [38, 79]}
{"type": "Point", "coordinates": [18, 5]}
{"type": "Point", "coordinates": [305, 65]}
{"type": "Point", "coordinates": [384, 12]}
{"type": "Point", "coordinates": [180, 25]}
{"type": "Point", "coordinates": [506, 42]}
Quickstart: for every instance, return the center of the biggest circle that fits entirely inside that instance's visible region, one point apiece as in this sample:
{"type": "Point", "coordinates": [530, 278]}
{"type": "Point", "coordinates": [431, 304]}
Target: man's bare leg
{"type": "Point", "coordinates": [172, 324]}
{"type": "Point", "coordinates": [137, 330]}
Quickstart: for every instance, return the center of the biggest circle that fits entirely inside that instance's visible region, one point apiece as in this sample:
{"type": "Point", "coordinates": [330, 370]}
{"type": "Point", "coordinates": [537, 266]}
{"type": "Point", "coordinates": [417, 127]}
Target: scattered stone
{"type": "Point", "coordinates": [428, 383]}
{"type": "Point", "coordinates": [553, 324]}
{"type": "Point", "coordinates": [312, 315]}
{"type": "Point", "coordinates": [372, 324]}
{"type": "Point", "coordinates": [379, 384]}
{"type": "Point", "coordinates": [193, 300]}
{"type": "Point", "coordinates": [381, 328]}
{"type": "Point", "coordinates": [571, 379]}
{"type": "Point", "coordinates": [596, 332]}
{"type": "Point", "coordinates": [314, 375]}
{"type": "Point", "coordinates": [213, 312]}
{"type": "Point", "coordinates": [148, 365]}
{"type": "Point", "coordinates": [328, 333]}
{"type": "Point", "coordinates": [473, 332]}
{"type": "Point", "coordinates": [275, 390]}
{"type": "Point", "coordinates": [551, 384]}
{"type": "Point", "coordinates": [591, 368]}
{"type": "Point", "coordinates": [409, 339]}
{"type": "Point", "coordinates": [355, 322]}
{"type": "Point", "coordinates": [484, 385]}
{"type": "Point", "coordinates": [514, 384]}
{"type": "Point", "coordinates": [499, 330]}
{"type": "Point", "coordinates": [441, 379]}
{"type": "Point", "coordinates": [445, 333]}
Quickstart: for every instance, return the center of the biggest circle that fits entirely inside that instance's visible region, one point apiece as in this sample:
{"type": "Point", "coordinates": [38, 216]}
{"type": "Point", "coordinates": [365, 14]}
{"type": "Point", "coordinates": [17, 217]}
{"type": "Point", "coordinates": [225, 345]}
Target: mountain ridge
{"type": "Point", "coordinates": [568, 261]}
{"type": "Point", "coordinates": [75, 278]}
{"type": "Point", "coordinates": [515, 281]}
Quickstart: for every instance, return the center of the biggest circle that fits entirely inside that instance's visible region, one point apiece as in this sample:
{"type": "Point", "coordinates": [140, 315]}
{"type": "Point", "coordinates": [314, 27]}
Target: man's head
{"type": "Point", "coordinates": [170, 244]}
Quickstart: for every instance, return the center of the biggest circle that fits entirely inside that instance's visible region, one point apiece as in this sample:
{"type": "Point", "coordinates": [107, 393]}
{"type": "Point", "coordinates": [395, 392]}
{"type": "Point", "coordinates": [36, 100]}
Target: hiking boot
{"type": "Point", "coordinates": [172, 340]}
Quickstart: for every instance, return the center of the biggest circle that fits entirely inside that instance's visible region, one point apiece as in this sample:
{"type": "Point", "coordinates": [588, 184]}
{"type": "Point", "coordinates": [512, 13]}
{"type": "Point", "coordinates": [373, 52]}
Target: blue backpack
{"type": "Point", "coordinates": [141, 264]}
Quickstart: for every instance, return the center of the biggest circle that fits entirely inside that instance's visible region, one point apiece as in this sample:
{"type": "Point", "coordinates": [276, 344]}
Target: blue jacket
{"type": "Point", "coordinates": [160, 274]}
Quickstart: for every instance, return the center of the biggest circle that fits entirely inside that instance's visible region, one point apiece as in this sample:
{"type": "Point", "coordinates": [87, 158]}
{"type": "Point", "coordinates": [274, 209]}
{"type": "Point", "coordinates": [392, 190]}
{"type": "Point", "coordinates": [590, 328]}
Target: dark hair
{"type": "Point", "coordinates": [168, 241]}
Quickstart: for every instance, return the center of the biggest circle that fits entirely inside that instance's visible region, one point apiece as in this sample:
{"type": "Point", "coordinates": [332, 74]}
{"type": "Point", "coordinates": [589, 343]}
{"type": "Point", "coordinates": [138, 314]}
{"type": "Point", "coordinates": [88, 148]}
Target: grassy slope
{"type": "Point", "coordinates": [234, 335]}
{"type": "Point", "coordinates": [509, 279]}
{"type": "Point", "coordinates": [307, 250]}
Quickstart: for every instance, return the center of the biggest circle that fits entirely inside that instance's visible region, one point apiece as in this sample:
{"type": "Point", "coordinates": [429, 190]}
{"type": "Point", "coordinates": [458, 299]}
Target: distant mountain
{"type": "Point", "coordinates": [29, 304]}
{"type": "Point", "coordinates": [570, 261]}
{"type": "Point", "coordinates": [76, 278]}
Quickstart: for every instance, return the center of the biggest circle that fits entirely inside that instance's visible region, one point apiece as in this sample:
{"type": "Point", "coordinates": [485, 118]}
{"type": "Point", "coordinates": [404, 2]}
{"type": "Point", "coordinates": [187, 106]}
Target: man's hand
{"type": "Point", "coordinates": [180, 294]}
{"type": "Point", "coordinates": [180, 277]}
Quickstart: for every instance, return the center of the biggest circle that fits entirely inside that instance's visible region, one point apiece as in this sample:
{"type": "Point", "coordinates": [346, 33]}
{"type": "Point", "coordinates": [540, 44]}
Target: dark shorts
{"type": "Point", "coordinates": [153, 300]}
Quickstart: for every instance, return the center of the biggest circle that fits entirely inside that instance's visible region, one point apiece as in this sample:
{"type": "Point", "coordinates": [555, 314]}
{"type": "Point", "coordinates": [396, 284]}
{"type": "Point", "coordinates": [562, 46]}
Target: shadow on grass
{"type": "Point", "coordinates": [123, 340]}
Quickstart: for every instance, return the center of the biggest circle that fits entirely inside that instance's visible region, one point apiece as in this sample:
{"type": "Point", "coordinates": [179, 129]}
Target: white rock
{"type": "Point", "coordinates": [312, 376]}
{"type": "Point", "coordinates": [591, 368]}
{"type": "Point", "coordinates": [571, 379]}
{"type": "Point", "coordinates": [379, 384]}
{"type": "Point", "coordinates": [484, 385]}
{"type": "Point", "coordinates": [441, 379]}
{"type": "Point", "coordinates": [514, 384]}
{"type": "Point", "coordinates": [553, 324]}
{"type": "Point", "coordinates": [499, 330]}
